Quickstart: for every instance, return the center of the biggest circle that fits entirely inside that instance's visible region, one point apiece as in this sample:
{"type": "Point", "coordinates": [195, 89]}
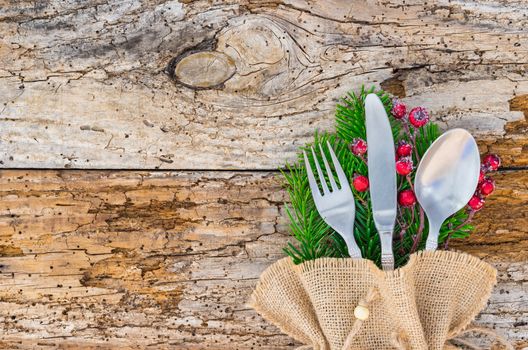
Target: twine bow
{"type": "Point", "coordinates": [399, 339]}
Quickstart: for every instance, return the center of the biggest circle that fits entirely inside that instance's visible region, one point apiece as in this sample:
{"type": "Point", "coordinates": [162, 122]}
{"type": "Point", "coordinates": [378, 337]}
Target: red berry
{"type": "Point", "coordinates": [482, 174]}
{"type": "Point", "coordinates": [418, 116]}
{"type": "Point", "coordinates": [492, 162]}
{"type": "Point", "coordinates": [404, 166]}
{"type": "Point", "coordinates": [398, 109]}
{"type": "Point", "coordinates": [404, 149]}
{"type": "Point", "coordinates": [476, 203]}
{"type": "Point", "coordinates": [487, 186]}
{"type": "Point", "coordinates": [406, 198]}
{"type": "Point", "coordinates": [361, 183]}
{"type": "Point", "coordinates": [358, 147]}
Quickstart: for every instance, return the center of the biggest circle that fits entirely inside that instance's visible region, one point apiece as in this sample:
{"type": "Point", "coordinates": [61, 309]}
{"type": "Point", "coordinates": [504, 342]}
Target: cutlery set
{"type": "Point", "coordinates": [445, 180]}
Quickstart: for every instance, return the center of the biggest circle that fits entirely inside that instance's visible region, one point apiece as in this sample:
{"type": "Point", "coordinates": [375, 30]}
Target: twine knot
{"type": "Point", "coordinates": [361, 313]}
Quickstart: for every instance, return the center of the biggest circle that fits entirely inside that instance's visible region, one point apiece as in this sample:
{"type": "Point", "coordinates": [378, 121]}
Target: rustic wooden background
{"type": "Point", "coordinates": [139, 200]}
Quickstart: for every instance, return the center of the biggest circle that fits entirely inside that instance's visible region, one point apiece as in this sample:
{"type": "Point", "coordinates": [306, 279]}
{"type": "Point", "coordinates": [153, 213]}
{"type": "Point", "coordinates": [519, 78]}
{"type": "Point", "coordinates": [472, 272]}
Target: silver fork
{"type": "Point", "coordinates": [336, 206]}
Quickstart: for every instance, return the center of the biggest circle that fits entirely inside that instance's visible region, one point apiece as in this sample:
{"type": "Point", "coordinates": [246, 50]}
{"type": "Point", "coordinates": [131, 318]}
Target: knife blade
{"type": "Point", "coordinates": [382, 175]}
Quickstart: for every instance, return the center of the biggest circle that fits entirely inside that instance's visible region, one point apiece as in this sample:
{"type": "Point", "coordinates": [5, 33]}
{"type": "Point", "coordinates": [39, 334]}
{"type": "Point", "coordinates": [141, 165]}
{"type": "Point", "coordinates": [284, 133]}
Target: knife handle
{"type": "Point", "coordinates": [387, 262]}
{"type": "Point", "coordinates": [387, 257]}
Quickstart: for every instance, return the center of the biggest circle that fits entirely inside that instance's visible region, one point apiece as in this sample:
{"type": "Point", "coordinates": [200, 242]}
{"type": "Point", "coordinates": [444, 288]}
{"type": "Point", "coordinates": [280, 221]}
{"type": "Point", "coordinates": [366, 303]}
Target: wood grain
{"type": "Point", "coordinates": [138, 258]}
{"type": "Point", "coordinates": [98, 84]}
{"type": "Point", "coordinates": [126, 260]}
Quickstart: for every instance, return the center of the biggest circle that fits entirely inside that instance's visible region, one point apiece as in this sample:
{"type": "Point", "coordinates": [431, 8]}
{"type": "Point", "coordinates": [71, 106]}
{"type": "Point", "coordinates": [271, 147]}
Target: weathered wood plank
{"type": "Point", "coordinates": [126, 260]}
{"type": "Point", "coordinates": [92, 84]}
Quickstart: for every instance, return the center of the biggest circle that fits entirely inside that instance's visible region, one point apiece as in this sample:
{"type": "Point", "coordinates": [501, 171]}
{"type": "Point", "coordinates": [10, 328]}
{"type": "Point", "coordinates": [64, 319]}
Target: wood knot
{"type": "Point", "coordinates": [203, 70]}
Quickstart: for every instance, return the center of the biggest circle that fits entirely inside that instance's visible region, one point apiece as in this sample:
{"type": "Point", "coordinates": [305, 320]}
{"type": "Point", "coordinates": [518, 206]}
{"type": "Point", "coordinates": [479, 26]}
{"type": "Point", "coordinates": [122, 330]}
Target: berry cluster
{"type": "Point", "coordinates": [417, 118]}
{"type": "Point", "coordinates": [406, 156]}
{"type": "Point", "coordinates": [490, 163]}
{"type": "Point", "coordinates": [359, 148]}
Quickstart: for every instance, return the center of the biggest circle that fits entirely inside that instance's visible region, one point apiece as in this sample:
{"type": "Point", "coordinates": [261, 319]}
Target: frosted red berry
{"type": "Point", "coordinates": [406, 198]}
{"type": "Point", "coordinates": [399, 109]}
{"type": "Point", "coordinates": [404, 149]}
{"type": "Point", "coordinates": [492, 162]}
{"type": "Point", "coordinates": [418, 117]}
{"type": "Point", "coordinates": [482, 175]}
{"type": "Point", "coordinates": [476, 203]}
{"type": "Point", "coordinates": [360, 183]}
{"type": "Point", "coordinates": [487, 186]}
{"type": "Point", "coordinates": [358, 147]}
{"type": "Point", "coordinates": [404, 166]}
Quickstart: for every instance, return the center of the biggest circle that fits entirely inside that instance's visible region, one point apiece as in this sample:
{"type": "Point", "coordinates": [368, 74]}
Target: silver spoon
{"type": "Point", "coordinates": [446, 179]}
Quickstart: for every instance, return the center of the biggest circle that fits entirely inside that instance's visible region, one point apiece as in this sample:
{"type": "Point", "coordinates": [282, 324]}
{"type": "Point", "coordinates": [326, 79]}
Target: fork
{"type": "Point", "coordinates": [336, 206]}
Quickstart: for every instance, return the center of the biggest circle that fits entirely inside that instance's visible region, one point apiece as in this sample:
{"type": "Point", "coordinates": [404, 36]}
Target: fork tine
{"type": "Point", "coordinates": [311, 179]}
{"type": "Point", "coordinates": [328, 170]}
{"type": "Point", "coordinates": [343, 181]}
{"type": "Point", "coordinates": [320, 173]}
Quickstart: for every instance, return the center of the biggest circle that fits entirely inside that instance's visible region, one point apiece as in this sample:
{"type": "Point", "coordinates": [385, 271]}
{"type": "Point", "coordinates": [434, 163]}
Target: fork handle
{"type": "Point", "coordinates": [353, 248]}
{"type": "Point", "coordinates": [387, 257]}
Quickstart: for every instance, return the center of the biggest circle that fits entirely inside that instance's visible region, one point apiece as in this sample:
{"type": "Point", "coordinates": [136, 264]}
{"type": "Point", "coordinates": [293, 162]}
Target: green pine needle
{"type": "Point", "coordinates": [314, 238]}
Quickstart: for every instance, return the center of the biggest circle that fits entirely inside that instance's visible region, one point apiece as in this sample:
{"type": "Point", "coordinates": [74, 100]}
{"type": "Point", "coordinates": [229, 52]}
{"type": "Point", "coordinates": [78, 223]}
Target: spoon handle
{"type": "Point", "coordinates": [432, 237]}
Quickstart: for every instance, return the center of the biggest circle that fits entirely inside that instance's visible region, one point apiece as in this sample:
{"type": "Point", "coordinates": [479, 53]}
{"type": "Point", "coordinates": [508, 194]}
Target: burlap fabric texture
{"type": "Point", "coordinates": [433, 298]}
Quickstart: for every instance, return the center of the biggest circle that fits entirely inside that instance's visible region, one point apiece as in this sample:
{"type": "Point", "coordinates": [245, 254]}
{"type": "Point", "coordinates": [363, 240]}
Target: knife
{"type": "Point", "coordinates": [382, 175]}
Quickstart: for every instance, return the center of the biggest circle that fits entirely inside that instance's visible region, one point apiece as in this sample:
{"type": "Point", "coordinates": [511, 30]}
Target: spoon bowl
{"type": "Point", "coordinates": [446, 179]}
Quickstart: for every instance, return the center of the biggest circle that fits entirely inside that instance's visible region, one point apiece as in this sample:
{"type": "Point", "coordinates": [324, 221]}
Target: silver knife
{"type": "Point", "coordinates": [382, 175]}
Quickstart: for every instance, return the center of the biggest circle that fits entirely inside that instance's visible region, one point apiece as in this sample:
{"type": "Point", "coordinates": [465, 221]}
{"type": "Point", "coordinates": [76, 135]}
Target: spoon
{"type": "Point", "coordinates": [446, 179]}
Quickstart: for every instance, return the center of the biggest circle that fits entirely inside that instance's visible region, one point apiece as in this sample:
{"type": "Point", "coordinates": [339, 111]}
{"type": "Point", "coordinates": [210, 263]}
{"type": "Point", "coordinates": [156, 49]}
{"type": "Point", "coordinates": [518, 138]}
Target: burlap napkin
{"type": "Point", "coordinates": [419, 306]}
